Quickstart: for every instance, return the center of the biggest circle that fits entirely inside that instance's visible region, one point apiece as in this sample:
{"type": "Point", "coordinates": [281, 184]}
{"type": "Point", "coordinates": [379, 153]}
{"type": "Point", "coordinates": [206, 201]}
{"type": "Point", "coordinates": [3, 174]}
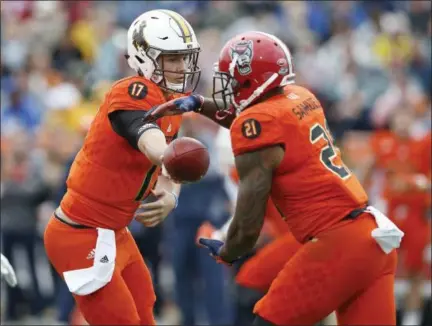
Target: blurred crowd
{"type": "Point", "coordinates": [365, 60]}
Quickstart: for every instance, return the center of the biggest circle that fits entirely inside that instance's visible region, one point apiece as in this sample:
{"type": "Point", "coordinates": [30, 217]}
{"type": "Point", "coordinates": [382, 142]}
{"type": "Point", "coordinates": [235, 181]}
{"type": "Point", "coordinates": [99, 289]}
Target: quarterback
{"type": "Point", "coordinates": [284, 151]}
{"type": "Point", "coordinates": [117, 167]}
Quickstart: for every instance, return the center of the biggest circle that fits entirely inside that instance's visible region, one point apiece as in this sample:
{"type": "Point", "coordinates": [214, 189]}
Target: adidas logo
{"type": "Point", "coordinates": [91, 254]}
{"type": "Point", "coordinates": [104, 259]}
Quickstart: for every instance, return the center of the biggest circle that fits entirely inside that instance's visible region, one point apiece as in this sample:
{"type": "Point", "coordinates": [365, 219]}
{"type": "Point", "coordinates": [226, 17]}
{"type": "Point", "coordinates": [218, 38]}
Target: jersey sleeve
{"type": "Point", "coordinates": [132, 95]}
{"type": "Point", "coordinates": [251, 132]}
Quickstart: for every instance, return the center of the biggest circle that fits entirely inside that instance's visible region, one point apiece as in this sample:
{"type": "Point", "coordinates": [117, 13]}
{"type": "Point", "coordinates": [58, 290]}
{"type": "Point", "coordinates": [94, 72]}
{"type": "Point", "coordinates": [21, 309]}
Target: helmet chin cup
{"type": "Point", "coordinates": [173, 86]}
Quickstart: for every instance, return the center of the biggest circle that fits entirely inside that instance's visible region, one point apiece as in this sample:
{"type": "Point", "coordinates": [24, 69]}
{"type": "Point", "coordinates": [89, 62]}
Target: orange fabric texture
{"type": "Point", "coordinates": [343, 269]}
{"type": "Point", "coordinates": [128, 299]}
{"type": "Point", "coordinates": [109, 177]}
{"type": "Point", "coordinates": [259, 271]}
{"type": "Point", "coordinates": [278, 227]}
{"type": "Point", "coordinates": [312, 188]}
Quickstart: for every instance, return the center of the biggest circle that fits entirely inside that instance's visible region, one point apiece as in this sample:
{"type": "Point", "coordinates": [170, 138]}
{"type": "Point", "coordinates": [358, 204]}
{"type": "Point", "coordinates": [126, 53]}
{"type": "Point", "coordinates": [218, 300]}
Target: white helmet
{"type": "Point", "coordinates": [159, 32]}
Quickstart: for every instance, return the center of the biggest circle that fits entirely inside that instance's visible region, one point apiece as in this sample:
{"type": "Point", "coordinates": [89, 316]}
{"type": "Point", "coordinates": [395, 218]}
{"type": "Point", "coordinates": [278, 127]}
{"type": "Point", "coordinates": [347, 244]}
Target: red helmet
{"type": "Point", "coordinates": [250, 65]}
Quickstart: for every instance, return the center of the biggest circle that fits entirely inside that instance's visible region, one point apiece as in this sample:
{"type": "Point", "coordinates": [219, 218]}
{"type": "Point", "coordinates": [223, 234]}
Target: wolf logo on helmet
{"type": "Point", "coordinates": [244, 52]}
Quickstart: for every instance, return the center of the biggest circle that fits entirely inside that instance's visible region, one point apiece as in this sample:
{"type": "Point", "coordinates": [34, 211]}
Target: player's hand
{"type": "Point", "coordinates": [7, 272]}
{"type": "Point", "coordinates": [191, 103]}
{"type": "Point", "coordinates": [215, 247]}
{"type": "Point", "coordinates": [151, 214]}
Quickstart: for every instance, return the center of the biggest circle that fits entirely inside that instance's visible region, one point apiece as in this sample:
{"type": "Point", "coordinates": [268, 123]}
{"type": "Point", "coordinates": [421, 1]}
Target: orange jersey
{"type": "Point", "coordinates": [403, 160]}
{"type": "Point", "coordinates": [312, 188]}
{"type": "Point", "coordinates": [277, 225]}
{"type": "Point", "coordinates": [109, 177]}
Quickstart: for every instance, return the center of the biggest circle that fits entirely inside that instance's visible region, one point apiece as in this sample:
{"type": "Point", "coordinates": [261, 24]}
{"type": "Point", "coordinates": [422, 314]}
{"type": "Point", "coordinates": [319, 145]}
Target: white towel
{"type": "Point", "coordinates": [88, 280]}
{"type": "Point", "coordinates": [387, 234]}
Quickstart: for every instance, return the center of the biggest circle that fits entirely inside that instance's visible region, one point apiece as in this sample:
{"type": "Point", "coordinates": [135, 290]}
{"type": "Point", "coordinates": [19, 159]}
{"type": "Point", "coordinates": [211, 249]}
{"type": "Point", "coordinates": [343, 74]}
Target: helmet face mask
{"type": "Point", "coordinates": [223, 89]}
{"type": "Point", "coordinates": [190, 77]}
{"type": "Point", "coordinates": [157, 34]}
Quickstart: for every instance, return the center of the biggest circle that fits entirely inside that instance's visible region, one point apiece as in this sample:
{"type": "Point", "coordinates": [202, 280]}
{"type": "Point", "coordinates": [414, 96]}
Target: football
{"type": "Point", "coordinates": [186, 160]}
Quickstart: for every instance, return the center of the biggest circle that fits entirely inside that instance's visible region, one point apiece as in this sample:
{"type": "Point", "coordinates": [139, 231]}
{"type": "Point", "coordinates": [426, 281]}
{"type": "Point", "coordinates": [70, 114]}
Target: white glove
{"type": "Point", "coordinates": [7, 271]}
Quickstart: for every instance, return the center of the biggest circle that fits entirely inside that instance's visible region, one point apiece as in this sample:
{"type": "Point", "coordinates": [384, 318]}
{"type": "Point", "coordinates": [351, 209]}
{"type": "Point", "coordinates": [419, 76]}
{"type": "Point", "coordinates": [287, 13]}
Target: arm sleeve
{"type": "Point", "coordinates": [130, 125]}
{"type": "Point", "coordinates": [128, 103]}
{"type": "Point", "coordinates": [251, 132]}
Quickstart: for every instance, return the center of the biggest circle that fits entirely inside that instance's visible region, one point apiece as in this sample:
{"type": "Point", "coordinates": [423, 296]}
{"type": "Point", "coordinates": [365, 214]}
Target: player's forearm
{"type": "Point", "coordinates": [209, 109]}
{"type": "Point", "coordinates": [239, 241]}
{"type": "Point", "coordinates": [255, 170]}
{"type": "Point", "coordinates": [246, 224]}
{"type": "Point", "coordinates": [152, 144]}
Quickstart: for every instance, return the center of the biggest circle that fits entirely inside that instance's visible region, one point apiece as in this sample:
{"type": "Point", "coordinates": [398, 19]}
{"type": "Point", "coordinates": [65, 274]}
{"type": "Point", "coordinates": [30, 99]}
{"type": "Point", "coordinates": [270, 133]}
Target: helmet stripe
{"type": "Point", "coordinates": [182, 24]}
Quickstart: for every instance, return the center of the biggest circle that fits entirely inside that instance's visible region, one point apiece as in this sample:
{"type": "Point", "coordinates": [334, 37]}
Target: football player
{"type": "Point", "coordinates": [284, 151]}
{"type": "Point", "coordinates": [117, 167]}
{"type": "Point", "coordinates": [405, 163]}
{"type": "Point", "coordinates": [258, 271]}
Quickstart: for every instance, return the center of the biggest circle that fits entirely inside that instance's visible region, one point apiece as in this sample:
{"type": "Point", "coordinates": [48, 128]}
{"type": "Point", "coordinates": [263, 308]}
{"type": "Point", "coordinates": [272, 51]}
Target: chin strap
{"type": "Point", "coordinates": [223, 114]}
{"type": "Point", "coordinates": [243, 104]}
{"type": "Point", "coordinates": [176, 87]}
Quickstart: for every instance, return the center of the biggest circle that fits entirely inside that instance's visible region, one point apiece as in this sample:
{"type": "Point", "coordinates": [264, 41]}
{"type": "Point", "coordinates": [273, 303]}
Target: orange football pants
{"type": "Point", "coordinates": [344, 270]}
{"type": "Point", "coordinates": [259, 271]}
{"type": "Point", "coordinates": [128, 299]}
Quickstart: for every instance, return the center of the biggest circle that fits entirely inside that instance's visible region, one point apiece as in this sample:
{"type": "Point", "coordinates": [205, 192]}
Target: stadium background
{"type": "Point", "coordinates": [363, 59]}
